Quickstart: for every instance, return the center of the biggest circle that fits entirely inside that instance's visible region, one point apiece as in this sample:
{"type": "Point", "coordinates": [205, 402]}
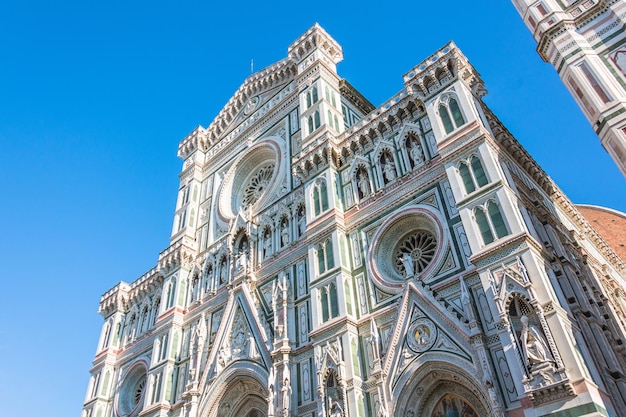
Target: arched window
{"type": "Point", "coordinates": [308, 99]}
{"type": "Point", "coordinates": [314, 92]}
{"type": "Point", "coordinates": [466, 177]}
{"type": "Point", "coordinates": [449, 105]}
{"type": "Point", "coordinates": [329, 302]}
{"type": "Point", "coordinates": [324, 302]}
{"type": "Point", "coordinates": [325, 257]}
{"type": "Point", "coordinates": [107, 335]}
{"type": "Point", "coordinates": [334, 304]}
{"type": "Point", "coordinates": [320, 197]}
{"type": "Point", "coordinates": [336, 122]}
{"type": "Point", "coordinates": [310, 124]}
{"type": "Point", "coordinates": [490, 222]}
{"type": "Point", "coordinates": [316, 119]}
{"type": "Point", "coordinates": [321, 262]}
{"type": "Point", "coordinates": [472, 174]}
{"type": "Point", "coordinates": [328, 251]}
{"type": "Point", "coordinates": [483, 225]}
{"type": "Point", "coordinates": [456, 113]}
{"type": "Point", "coordinates": [496, 219]}
{"type": "Point", "coordinates": [155, 309]}
{"type": "Point", "coordinates": [171, 292]}
{"type": "Point", "coordinates": [445, 118]}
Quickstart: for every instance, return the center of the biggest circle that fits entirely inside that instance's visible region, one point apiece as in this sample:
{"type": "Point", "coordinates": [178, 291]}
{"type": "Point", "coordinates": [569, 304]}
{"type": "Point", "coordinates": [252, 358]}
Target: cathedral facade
{"type": "Point", "coordinates": [331, 258]}
{"type": "Point", "coordinates": [585, 41]}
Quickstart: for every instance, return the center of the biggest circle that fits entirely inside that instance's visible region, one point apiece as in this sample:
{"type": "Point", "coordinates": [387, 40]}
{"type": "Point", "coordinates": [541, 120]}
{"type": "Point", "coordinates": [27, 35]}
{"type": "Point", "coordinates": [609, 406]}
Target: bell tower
{"type": "Point", "coordinates": [586, 43]}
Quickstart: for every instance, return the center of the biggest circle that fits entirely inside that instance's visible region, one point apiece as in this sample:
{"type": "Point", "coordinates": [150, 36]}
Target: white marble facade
{"type": "Point", "coordinates": [329, 258]}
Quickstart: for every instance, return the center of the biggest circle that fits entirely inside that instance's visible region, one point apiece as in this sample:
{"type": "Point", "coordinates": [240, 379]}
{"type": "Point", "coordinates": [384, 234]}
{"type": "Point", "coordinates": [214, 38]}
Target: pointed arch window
{"type": "Point", "coordinates": [324, 303]}
{"type": "Point", "coordinates": [472, 174]}
{"type": "Point", "coordinates": [314, 94]}
{"type": "Point", "coordinates": [450, 114]}
{"type": "Point", "coordinates": [171, 292]}
{"type": "Point", "coordinates": [325, 257]}
{"type": "Point", "coordinates": [329, 302]}
{"type": "Point", "coordinates": [456, 112]}
{"type": "Point", "coordinates": [490, 222]}
{"type": "Point", "coordinates": [320, 197]}
{"type": "Point", "coordinates": [445, 118]}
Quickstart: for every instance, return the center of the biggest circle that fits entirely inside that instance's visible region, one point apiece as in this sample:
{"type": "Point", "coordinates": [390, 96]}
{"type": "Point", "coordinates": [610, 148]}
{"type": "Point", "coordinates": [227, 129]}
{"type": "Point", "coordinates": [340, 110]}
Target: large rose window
{"type": "Point", "coordinates": [408, 245]}
{"type": "Point", "coordinates": [257, 185]}
{"type": "Point", "coordinates": [133, 387]}
{"type": "Point", "coordinates": [250, 181]}
{"type": "Point", "coordinates": [415, 252]}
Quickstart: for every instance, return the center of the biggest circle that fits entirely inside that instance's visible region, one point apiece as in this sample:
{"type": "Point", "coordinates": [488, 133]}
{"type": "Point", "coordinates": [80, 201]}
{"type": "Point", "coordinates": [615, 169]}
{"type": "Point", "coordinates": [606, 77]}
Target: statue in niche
{"type": "Point", "coordinates": [286, 393]}
{"type": "Point", "coordinates": [223, 272]}
{"type": "Point", "coordinates": [533, 344]}
{"type": "Point", "coordinates": [363, 183]}
{"type": "Point", "coordinates": [267, 243]}
{"type": "Point", "coordinates": [334, 409]}
{"type": "Point", "coordinates": [417, 153]}
{"type": "Point", "coordinates": [284, 233]}
{"type": "Point", "coordinates": [409, 268]}
{"type": "Point", "coordinates": [389, 169]}
{"type": "Point", "coordinates": [242, 261]}
{"type": "Point", "coordinates": [301, 220]}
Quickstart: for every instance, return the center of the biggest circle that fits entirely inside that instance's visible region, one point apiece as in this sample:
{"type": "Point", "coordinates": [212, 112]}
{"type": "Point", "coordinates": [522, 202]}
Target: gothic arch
{"type": "Point", "coordinates": [240, 390]}
{"type": "Point", "coordinates": [433, 381]}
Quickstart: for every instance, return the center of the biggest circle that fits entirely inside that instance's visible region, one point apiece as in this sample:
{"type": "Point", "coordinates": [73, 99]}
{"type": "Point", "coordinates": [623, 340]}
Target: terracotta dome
{"type": "Point", "coordinates": [610, 224]}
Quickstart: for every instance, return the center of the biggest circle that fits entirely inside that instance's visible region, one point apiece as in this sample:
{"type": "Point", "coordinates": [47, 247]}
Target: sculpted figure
{"type": "Point", "coordinates": [533, 343]}
{"type": "Point", "coordinates": [364, 183]}
{"type": "Point", "coordinates": [407, 261]}
{"type": "Point", "coordinates": [334, 409]}
{"type": "Point", "coordinates": [389, 169]}
{"type": "Point", "coordinates": [417, 153]}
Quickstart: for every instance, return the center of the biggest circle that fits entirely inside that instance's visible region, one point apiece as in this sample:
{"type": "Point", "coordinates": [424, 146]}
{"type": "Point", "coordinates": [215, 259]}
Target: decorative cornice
{"type": "Point", "coordinates": [271, 77]}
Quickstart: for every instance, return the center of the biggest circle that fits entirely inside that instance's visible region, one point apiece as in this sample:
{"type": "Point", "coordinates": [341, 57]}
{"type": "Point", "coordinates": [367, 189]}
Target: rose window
{"type": "Point", "coordinates": [139, 388]}
{"type": "Point", "coordinates": [131, 392]}
{"type": "Point", "coordinates": [409, 245]}
{"type": "Point", "coordinates": [257, 185]}
{"type": "Point", "coordinates": [417, 249]}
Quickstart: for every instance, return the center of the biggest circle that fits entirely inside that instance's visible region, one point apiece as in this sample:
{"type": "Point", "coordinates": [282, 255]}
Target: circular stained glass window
{"type": "Point", "coordinates": [415, 252]}
{"type": "Point", "coordinates": [132, 390]}
{"type": "Point", "coordinates": [257, 185]}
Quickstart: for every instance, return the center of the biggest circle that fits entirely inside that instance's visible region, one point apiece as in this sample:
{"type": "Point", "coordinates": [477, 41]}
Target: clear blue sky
{"type": "Point", "coordinates": [95, 96]}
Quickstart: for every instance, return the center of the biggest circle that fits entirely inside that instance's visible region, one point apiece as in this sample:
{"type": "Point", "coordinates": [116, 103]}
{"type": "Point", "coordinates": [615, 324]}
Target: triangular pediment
{"type": "Point", "coordinates": [240, 337]}
{"type": "Point", "coordinates": [424, 332]}
{"type": "Point", "coordinates": [407, 129]}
